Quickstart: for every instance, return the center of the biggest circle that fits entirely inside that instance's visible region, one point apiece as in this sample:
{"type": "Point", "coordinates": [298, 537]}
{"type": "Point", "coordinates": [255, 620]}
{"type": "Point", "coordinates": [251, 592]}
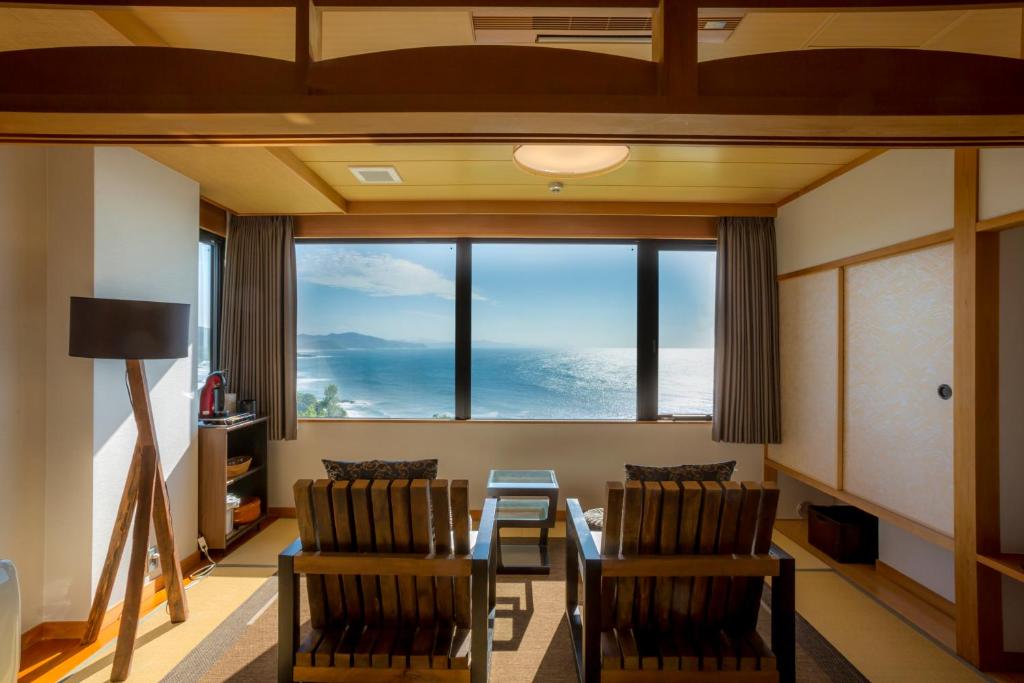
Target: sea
{"type": "Point", "coordinates": [507, 383]}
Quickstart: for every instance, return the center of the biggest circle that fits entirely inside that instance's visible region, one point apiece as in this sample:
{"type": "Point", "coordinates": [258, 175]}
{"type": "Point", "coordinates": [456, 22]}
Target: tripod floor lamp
{"type": "Point", "coordinates": [134, 331]}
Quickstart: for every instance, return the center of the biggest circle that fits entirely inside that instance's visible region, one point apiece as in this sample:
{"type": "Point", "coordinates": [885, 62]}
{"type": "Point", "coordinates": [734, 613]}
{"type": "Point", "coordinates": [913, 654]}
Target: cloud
{"type": "Point", "coordinates": [373, 274]}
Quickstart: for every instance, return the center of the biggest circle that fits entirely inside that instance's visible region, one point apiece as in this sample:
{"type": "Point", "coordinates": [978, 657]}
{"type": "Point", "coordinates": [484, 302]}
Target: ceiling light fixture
{"type": "Point", "coordinates": [570, 161]}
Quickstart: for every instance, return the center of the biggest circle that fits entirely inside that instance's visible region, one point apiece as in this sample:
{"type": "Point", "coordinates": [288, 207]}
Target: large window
{"type": "Point", "coordinates": [543, 330]}
{"type": "Point", "coordinates": [376, 330]}
{"type": "Point", "coordinates": [554, 331]}
{"type": "Point", "coordinates": [211, 258]}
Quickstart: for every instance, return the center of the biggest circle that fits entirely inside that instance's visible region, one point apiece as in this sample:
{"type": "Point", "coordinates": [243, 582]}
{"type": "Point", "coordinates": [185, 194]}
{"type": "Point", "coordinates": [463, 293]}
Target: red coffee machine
{"type": "Point", "coordinates": [211, 399]}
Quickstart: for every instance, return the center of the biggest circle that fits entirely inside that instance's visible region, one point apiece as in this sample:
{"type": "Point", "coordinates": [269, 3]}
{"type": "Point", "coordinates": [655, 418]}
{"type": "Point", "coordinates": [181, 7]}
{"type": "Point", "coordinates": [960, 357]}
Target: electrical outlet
{"type": "Point", "coordinates": [152, 562]}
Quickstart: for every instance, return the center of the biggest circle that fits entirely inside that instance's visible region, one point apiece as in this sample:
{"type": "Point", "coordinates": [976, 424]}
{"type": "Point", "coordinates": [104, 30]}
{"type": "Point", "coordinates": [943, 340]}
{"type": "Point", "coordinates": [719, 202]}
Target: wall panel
{"type": "Point", "coordinates": [899, 349]}
{"type": "Point", "coordinates": [809, 338]}
{"type": "Point", "coordinates": [1001, 177]}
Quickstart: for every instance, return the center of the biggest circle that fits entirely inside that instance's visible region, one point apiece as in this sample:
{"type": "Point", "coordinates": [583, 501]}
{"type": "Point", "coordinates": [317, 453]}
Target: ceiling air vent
{"type": "Point", "coordinates": [376, 175]}
{"type": "Point", "coordinates": [590, 24]}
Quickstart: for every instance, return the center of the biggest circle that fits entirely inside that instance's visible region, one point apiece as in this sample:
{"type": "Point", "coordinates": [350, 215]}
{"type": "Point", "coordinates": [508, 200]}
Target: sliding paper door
{"type": "Point", "coordinates": [899, 350]}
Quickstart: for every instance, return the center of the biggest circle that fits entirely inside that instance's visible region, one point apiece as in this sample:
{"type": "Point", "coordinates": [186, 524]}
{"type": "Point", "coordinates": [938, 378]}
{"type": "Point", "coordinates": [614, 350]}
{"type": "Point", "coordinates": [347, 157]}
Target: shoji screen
{"type": "Point", "coordinates": [809, 336]}
{"type": "Point", "coordinates": [899, 349]}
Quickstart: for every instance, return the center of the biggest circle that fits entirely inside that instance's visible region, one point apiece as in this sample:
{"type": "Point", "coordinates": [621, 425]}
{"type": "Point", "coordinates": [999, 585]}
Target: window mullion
{"type": "Point", "coordinates": [463, 326]}
{"type": "Point", "coordinates": [647, 330]}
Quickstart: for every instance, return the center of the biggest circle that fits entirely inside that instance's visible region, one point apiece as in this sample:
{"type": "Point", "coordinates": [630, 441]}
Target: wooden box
{"type": "Point", "coordinates": [843, 532]}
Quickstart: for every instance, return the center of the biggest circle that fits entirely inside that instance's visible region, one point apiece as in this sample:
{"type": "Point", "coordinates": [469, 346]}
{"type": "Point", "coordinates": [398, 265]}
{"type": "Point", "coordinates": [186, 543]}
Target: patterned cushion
{"type": "Point", "coordinates": [595, 518]}
{"type": "Point", "coordinates": [719, 471]}
{"type": "Point", "coordinates": [339, 470]}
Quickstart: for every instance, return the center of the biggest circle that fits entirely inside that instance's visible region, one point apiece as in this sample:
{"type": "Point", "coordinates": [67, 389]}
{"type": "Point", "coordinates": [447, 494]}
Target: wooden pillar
{"type": "Point", "coordinates": [674, 47]}
{"type": "Point", "coordinates": [308, 40]}
{"type": "Point", "coordinates": [976, 422]}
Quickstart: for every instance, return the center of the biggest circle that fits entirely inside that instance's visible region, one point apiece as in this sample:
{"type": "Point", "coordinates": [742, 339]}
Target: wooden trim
{"type": "Point", "coordinates": [128, 24]}
{"type": "Point", "coordinates": [309, 176]}
{"type": "Point", "coordinates": [330, 226]}
{"type": "Point", "coordinates": [545, 208]}
{"type": "Point", "coordinates": [74, 630]}
{"type": "Point", "coordinates": [400, 420]}
{"type": "Point", "coordinates": [281, 513]}
{"type": "Point", "coordinates": [975, 421]}
{"type": "Point", "coordinates": [1003, 222]}
{"type": "Point", "coordinates": [1007, 564]}
{"type": "Point", "coordinates": [875, 254]}
{"type": "Point", "coordinates": [841, 378]}
{"type": "Point", "coordinates": [921, 530]}
{"type": "Point", "coordinates": [919, 591]}
{"type": "Point", "coordinates": [829, 177]}
{"type": "Point", "coordinates": [212, 217]}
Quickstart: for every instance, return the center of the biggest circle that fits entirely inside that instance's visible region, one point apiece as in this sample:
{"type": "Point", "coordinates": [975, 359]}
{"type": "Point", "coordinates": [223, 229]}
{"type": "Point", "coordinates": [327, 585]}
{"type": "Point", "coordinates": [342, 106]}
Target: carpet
{"type": "Point", "coordinates": [531, 638]}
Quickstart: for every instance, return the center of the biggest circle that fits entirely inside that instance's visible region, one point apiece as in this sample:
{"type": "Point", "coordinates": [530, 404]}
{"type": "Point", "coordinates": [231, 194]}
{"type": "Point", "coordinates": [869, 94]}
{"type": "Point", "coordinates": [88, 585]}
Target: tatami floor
{"type": "Point", "coordinates": [881, 644]}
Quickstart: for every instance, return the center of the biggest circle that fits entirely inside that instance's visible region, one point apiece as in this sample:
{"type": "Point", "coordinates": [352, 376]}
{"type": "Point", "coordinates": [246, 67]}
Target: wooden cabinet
{"type": "Point", "coordinates": [216, 445]}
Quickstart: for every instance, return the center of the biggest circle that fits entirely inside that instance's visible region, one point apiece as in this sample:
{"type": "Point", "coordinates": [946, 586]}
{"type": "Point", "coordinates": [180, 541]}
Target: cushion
{"type": "Point", "coordinates": [595, 518]}
{"type": "Point", "coordinates": [339, 470]}
{"type": "Point", "coordinates": [719, 471]}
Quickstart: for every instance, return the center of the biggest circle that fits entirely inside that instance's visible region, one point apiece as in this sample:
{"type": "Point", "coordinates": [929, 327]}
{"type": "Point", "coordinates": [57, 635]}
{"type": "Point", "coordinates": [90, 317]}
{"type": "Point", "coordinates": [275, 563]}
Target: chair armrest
{"type": "Point", "coordinates": [485, 531]}
{"type": "Point", "coordinates": [585, 546]}
{"type": "Point", "coordinates": [778, 553]}
{"type": "Point", "coordinates": [292, 550]}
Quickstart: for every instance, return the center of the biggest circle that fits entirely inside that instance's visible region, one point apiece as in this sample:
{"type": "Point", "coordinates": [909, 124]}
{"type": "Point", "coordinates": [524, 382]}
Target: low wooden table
{"type": "Point", "coordinates": [527, 499]}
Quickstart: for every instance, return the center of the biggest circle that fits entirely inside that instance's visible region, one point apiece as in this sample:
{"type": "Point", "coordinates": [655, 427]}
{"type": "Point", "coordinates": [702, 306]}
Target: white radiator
{"type": "Point", "coordinates": [10, 623]}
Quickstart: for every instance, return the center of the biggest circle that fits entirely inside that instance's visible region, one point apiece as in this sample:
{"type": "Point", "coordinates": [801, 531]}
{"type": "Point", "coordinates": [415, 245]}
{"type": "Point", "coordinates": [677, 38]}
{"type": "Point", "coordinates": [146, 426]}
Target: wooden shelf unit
{"type": "Point", "coordinates": [216, 445]}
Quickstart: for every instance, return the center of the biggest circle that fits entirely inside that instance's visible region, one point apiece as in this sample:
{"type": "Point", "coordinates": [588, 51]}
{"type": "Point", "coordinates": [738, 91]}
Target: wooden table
{"type": "Point", "coordinates": [527, 499]}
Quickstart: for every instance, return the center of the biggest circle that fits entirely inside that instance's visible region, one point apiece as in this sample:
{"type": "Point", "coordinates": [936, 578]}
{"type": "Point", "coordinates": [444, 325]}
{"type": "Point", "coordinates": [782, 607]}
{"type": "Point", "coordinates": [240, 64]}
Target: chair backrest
{"type": "Point", "coordinates": [689, 518]}
{"type": "Point", "coordinates": [385, 516]}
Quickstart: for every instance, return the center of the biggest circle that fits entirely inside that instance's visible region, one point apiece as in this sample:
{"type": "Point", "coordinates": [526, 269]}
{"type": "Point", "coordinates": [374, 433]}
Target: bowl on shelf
{"type": "Point", "coordinates": [248, 511]}
{"type": "Point", "coordinates": [238, 465]}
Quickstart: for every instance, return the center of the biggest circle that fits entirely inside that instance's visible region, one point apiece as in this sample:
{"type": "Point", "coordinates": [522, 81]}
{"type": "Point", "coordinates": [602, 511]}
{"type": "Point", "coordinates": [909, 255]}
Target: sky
{"type": "Point", "coordinates": [543, 295]}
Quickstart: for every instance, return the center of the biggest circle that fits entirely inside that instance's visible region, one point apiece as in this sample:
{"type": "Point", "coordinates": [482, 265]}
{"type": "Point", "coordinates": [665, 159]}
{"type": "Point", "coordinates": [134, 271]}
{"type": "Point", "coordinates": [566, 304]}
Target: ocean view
{"type": "Point", "coordinates": [507, 383]}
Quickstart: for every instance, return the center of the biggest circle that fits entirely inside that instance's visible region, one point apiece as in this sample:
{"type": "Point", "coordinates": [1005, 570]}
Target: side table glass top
{"type": "Point", "coordinates": [532, 479]}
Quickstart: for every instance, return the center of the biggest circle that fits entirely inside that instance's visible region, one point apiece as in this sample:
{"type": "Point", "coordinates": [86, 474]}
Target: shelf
{"type": "Point", "coordinates": [1007, 564]}
{"type": "Point", "coordinates": [239, 530]}
{"type": "Point", "coordinates": [250, 471]}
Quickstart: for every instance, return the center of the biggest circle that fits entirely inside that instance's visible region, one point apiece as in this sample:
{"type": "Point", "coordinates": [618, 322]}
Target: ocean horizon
{"type": "Point", "coordinates": [507, 382]}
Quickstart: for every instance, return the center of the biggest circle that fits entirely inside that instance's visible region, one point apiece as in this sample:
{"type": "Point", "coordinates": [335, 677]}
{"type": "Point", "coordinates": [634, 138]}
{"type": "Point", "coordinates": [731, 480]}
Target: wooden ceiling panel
{"type": "Point", "coordinates": [27, 28]}
{"type": "Point", "coordinates": [259, 31]}
{"type": "Point", "coordinates": [990, 32]}
{"type": "Point", "coordinates": [244, 179]}
{"type": "Point", "coordinates": [358, 32]}
{"type": "Point", "coordinates": [572, 192]}
{"type": "Point", "coordinates": [360, 153]}
{"type": "Point", "coordinates": [760, 32]}
{"type": "Point", "coordinates": [883, 29]}
{"type": "Point", "coordinates": [634, 173]}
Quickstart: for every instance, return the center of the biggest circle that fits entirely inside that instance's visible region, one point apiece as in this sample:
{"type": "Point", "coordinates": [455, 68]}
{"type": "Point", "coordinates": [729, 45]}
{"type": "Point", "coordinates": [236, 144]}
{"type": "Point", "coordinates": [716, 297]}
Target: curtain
{"type": "Point", "coordinates": [258, 318]}
{"type": "Point", "coordinates": [747, 403]}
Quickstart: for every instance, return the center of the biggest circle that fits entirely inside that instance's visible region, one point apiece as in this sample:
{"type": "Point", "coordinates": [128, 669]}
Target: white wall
{"type": "Point", "coordinates": [898, 196]}
{"type": "Point", "coordinates": [146, 229]}
{"type": "Point", "coordinates": [23, 369]}
{"type": "Point", "coordinates": [69, 400]}
{"type": "Point", "coordinates": [583, 455]}
{"type": "Point", "coordinates": [928, 564]}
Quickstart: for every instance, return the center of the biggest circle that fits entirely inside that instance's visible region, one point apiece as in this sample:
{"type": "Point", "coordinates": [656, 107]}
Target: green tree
{"type": "Point", "coordinates": [307, 404]}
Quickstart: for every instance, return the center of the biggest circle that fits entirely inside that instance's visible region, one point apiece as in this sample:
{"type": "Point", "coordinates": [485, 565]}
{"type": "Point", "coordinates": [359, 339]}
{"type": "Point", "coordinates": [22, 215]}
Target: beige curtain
{"type": "Point", "coordinates": [258, 318]}
{"type": "Point", "coordinates": [747, 403]}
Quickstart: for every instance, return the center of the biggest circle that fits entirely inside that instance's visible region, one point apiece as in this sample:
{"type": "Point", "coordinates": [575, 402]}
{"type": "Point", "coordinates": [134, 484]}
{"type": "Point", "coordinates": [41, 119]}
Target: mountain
{"type": "Point", "coordinates": [349, 340]}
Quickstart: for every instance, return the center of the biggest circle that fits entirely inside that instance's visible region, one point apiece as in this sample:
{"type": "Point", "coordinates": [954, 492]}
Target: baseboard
{"type": "Point", "coordinates": [74, 630]}
{"type": "Point", "coordinates": [281, 513]}
{"type": "Point", "coordinates": [919, 591]}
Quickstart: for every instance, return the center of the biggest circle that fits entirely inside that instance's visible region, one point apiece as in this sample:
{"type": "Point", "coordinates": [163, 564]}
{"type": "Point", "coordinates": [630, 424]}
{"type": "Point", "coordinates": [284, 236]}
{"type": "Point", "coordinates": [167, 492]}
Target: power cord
{"type": "Point", "coordinates": [203, 571]}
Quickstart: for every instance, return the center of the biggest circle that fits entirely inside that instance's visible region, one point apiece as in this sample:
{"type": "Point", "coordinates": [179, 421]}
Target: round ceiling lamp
{"type": "Point", "coordinates": [570, 161]}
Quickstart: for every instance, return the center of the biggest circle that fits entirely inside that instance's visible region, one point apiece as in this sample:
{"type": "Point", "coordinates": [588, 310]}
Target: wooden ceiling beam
{"type": "Point", "coordinates": [511, 226]}
{"type": "Point", "coordinates": [562, 208]}
{"type": "Point", "coordinates": [299, 168]}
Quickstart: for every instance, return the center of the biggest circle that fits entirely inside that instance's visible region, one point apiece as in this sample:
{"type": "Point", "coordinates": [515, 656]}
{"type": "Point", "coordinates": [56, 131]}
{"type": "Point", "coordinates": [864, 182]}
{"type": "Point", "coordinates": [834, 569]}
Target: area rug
{"type": "Point", "coordinates": [531, 638]}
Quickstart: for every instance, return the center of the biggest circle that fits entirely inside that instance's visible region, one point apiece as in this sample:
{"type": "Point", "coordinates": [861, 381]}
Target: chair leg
{"type": "Point", "coordinates": [784, 619]}
{"type": "Point", "coordinates": [481, 605]}
{"type": "Point", "coordinates": [592, 622]}
{"type": "Point", "coordinates": [287, 617]}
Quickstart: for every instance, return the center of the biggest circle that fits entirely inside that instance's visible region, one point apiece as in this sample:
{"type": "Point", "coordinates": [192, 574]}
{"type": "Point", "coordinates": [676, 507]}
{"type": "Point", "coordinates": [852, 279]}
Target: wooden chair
{"type": "Point", "coordinates": [399, 586]}
{"type": "Point", "coordinates": [675, 590]}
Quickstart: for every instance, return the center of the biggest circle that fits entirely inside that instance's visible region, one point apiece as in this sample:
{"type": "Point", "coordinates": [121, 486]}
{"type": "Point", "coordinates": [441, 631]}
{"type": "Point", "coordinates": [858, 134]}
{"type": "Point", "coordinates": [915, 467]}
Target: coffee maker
{"type": "Point", "coordinates": [211, 399]}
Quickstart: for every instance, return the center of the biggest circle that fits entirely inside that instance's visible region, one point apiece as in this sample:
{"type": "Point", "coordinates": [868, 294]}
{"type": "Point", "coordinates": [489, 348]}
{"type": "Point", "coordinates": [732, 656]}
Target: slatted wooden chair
{"type": "Point", "coordinates": [674, 592]}
{"type": "Point", "coordinates": [399, 586]}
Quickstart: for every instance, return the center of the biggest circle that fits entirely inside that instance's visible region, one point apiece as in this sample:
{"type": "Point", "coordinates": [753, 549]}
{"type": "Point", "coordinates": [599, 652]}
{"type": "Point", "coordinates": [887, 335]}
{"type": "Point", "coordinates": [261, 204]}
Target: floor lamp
{"type": "Point", "coordinates": [134, 331]}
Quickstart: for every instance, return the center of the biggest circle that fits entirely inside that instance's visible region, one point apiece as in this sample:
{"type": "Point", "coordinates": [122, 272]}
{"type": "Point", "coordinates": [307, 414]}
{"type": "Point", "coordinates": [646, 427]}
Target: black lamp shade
{"type": "Point", "coordinates": [119, 328]}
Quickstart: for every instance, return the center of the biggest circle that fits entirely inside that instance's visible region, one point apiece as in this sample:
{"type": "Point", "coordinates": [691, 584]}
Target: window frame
{"type": "Point", "coordinates": [647, 251]}
{"type": "Point", "coordinates": [217, 245]}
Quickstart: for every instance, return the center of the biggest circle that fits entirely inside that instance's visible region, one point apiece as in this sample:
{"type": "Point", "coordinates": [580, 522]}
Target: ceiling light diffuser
{"type": "Point", "coordinates": [570, 161]}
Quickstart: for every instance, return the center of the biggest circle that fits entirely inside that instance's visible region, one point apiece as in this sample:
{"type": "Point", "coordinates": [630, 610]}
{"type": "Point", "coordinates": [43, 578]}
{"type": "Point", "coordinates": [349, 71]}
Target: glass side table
{"type": "Point", "coordinates": [527, 499]}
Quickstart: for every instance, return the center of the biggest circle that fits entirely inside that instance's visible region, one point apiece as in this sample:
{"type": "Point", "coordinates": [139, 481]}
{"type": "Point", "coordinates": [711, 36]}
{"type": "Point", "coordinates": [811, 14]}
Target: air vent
{"type": "Point", "coordinates": [546, 24]}
{"type": "Point", "coordinates": [376, 175]}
